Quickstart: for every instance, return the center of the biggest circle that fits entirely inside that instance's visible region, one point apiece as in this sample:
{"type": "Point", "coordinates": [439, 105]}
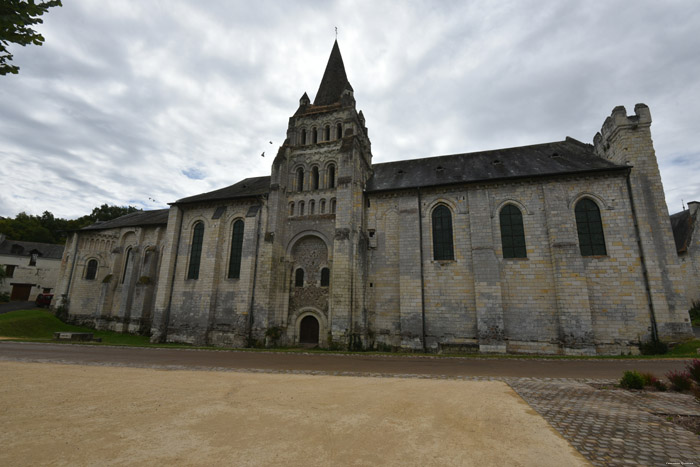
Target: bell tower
{"type": "Point", "coordinates": [315, 218]}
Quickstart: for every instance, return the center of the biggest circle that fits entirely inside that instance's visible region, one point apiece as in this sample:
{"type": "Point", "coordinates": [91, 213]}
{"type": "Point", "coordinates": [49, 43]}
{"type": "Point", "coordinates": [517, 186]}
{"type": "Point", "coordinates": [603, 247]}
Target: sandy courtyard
{"type": "Point", "coordinates": [53, 414]}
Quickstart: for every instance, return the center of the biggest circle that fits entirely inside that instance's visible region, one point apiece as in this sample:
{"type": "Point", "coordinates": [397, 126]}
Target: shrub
{"type": "Point", "coordinates": [694, 313]}
{"type": "Point", "coordinates": [4, 297]}
{"type": "Point", "coordinates": [653, 348]}
{"type": "Point", "coordinates": [680, 380]}
{"type": "Point", "coordinates": [648, 379]}
{"type": "Point", "coordinates": [632, 380]}
{"type": "Point", "coordinates": [694, 370]}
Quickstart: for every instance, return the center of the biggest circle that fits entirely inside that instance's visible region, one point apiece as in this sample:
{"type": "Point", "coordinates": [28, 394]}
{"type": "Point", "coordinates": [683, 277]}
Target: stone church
{"type": "Point", "coordinates": [560, 248]}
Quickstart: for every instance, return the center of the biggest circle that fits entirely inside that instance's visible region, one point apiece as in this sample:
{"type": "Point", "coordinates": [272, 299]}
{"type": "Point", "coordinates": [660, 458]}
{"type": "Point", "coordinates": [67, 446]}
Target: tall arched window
{"type": "Point", "coordinates": [331, 176]}
{"type": "Point", "coordinates": [91, 271]}
{"type": "Point", "coordinates": [442, 233]}
{"type": "Point", "coordinates": [303, 136]}
{"type": "Point", "coordinates": [300, 179]}
{"type": "Point", "coordinates": [127, 263]}
{"type": "Point", "coordinates": [196, 251]}
{"type": "Point", "coordinates": [299, 278]}
{"type": "Point", "coordinates": [327, 131]}
{"type": "Point", "coordinates": [339, 131]}
{"type": "Point", "coordinates": [314, 178]}
{"type": "Point", "coordinates": [325, 277]}
{"type": "Point", "coordinates": [234, 265]}
{"type": "Point", "coordinates": [333, 206]}
{"type": "Point", "coordinates": [591, 240]}
{"type": "Point", "coordinates": [512, 232]}
{"type": "Point", "coordinates": [314, 135]}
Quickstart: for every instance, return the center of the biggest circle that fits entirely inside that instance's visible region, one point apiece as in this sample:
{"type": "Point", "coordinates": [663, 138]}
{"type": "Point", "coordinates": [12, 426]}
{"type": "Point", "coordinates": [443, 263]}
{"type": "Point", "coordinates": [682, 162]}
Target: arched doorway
{"type": "Point", "coordinates": [308, 330]}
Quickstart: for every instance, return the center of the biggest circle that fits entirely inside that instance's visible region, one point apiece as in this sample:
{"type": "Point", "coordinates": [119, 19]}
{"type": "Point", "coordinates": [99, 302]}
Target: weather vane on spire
{"type": "Point", "coordinates": [336, 33]}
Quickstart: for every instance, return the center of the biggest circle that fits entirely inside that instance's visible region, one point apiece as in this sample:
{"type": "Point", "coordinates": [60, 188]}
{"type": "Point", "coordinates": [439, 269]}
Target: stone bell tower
{"type": "Point", "coordinates": [314, 232]}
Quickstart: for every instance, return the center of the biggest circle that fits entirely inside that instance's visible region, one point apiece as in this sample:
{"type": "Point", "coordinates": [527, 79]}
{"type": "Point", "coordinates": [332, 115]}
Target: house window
{"type": "Point", "coordinates": [234, 265]}
{"type": "Point", "coordinates": [442, 233]}
{"type": "Point", "coordinates": [91, 270]}
{"type": "Point", "coordinates": [325, 277]}
{"type": "Point", "coordinates": [33, 258]}
{"type": "Point", "coordinates": [512, 232]}
{"type": "Point", "coordinates": [127, 263]}
{"type": "Point", "coordinates": [299, 278]}
{"type": "Point", "coordinates": [300, 179]}
{"type": "Point", "coordinates": [10, 270]}
{"type": "Point", "coordinates": [591, 240]}
{"type": "Point", "coordinates": [331, 176]}
{"type": "Point", "coordinates": [314, 178]}
{"type": "Point", "coordinates": [196, 251]}
{"type": "Point", "coordinates": [327, 136]}
{"type": "Point", "coordinates": [339, 131]}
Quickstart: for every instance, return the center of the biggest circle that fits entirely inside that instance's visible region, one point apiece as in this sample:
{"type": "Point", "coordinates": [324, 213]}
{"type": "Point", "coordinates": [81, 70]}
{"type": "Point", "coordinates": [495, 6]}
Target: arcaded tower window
{"type": "Point", "coordinates": [333, 206]}
{"type": "Point", "coordinates": [512, 232]}
{"type": "Point", "coordinates": [314, 178]}
{"type": "Point", "coordinates": [314, 136]}
{"type": "Point", "coordinates": [339, 131]}
{"type": "Point", "coordinates": [312, 207]}
{"type": "Point", "coordinates": [300, 179]}
{"type": "Point", "coordinates": [301, 208]}
{"type": "Point", "coordinates": [331, 176]}
{"type": "Point", "coordinates": [591, 240]}
{"type": "Point", "coordinates": [291, 208]}
{"type": "Point", "coordinates": [327, 131]}
{"type": "Point", "coordinates": [442, 234]}
{"type": "Point", "coordinates": [322, 206]}
{"type": "Point", "coordinates": [196, 251]}
{"type": "Point", "coordinates": [303, 136]}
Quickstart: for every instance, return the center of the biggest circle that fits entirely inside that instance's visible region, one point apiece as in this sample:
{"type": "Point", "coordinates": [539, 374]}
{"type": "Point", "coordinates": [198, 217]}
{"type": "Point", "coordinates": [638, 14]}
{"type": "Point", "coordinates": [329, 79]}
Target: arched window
{"type": "Point", "coordinates": [314, 135]}
{"type": "Point", "coordinates": [339, 131]}
{"type": "Point", "coordinates": [234, 265]}
{"type": "Point", "coordinates": [331, 176]}
{"type": "Point", "coordinates": [325, 277]}
{"type": "Point", "coordinates": [314, 178]}
{"type": "Point", "coordinates": [333, 206]}
{"type": "Point", "coordinates": [512, 232]}
{"type": "Point", "coordinates": [291, 208]}
{"type": "Point", "coordinates": [442, 233]}
{"type": "Point", "coordinates": [322, 206]}
{"type": "Point", "coordinates": [299, 278]}
{"type": "Point", "coordinates": [303, 136]}
{"type": "Point", "coordinates": [327, 131]}
{"type": "Point", "coordinates": [91, 271]}
{"type": "Point", "coordinates": [300, 179]}
{"type": "Point", "coordinates": [127, 263]}
{"type": "Point", "coordinates": [301, 208]}
{"type": "Point", "coordinates": [591, 240]}
{"type": "Point", "coordinates": [196, 251]}
{"type": "Point", "coordinates": [312, 207]}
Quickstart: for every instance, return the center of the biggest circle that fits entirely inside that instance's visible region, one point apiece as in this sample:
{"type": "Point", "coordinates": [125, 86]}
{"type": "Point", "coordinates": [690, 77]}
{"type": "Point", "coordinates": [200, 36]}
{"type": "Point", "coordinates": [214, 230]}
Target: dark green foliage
{"type": "Point", "coordinates": [695, 313]}
{"type": "Point", "coordinates": [49, 229]}
{"type": "Point", "coordinates": [680, 380]}
{"type": "Point", "coordinates": [4, 297]}
{"type": "Point", "coordinates": [16, 17]}
{"type": "Point", "coordinates": [632, 380]}
{"type": "Point", "coordinates": [653, 381]}
{"type": "Point", "coordinates": [694, 370]}
{"type": "Point", "coordinates": [274, 333]}
{"type": "Point", "coordinates": [653, 348]}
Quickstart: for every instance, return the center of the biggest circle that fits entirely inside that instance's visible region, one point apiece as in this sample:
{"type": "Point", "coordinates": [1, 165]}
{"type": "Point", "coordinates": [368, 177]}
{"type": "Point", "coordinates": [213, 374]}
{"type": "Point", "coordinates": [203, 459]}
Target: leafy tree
{"type": "Point", "coordinates": [16, 17]}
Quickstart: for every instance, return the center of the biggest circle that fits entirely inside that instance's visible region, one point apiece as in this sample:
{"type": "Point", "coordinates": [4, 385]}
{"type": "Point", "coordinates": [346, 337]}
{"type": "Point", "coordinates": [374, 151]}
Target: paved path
{"type": "Point", "coordinates": [331, 363]}
{"type": "Point", "coordinates": [14, 306]}
{"type": "Point", "coordinates": [608, 427]}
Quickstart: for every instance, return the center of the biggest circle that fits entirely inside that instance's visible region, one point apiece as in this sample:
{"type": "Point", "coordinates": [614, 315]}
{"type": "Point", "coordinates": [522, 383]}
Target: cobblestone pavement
{"type": "Point", "coordinates": [614, 427]}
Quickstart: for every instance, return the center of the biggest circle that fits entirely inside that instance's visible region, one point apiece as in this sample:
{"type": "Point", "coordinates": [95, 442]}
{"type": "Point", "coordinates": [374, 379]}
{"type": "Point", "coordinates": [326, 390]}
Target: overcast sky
{"type": "Point", "coordinates": [145, 102]}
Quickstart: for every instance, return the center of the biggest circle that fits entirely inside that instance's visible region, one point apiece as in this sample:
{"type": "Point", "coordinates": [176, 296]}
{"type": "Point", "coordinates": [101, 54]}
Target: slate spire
{"type": "Point", "coordinates": [334, 81]}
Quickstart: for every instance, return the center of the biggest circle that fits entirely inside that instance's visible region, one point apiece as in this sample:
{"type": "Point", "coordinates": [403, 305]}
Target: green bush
{"type": "Point", "coordinates": [4, 297]}
{"type": "Point", "coordinates": [632, 380]}
{"type": "Point", "coordinates": [680, 380]}
{"type": "Point", "coordinates": [653, 348]}
{"type": "Point", "coordinates": [694, 313]}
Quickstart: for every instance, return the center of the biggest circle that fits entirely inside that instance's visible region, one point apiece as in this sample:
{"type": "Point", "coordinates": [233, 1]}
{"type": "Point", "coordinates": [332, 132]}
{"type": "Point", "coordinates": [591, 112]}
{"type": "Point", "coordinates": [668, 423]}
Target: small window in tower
{"type": "Point", "coordinates": [291, 208]}
{"type": "Point", "coordinates": [331, 176]}
{"type": "Point", "coordinates": [300, 179]}
{"type": "Point", "coordinates": [312, 207]}
{"type": "Point", "coordinates": [322, 206]}
{"type": "Point", "coordinates": [325, 277]}
{"type": "Point", "coordinates": [333, 206]}
{"type": "Point", "coordinates": [299, 278]}
{"type": "Point", "coordinates": [314, 178]}
{"type": "Point", "coordinates": [303, 136]}
{"type": "Point", "coordinates": [314, 136]}
{"type": "Point", "coordinates": [301, 208]}
{"type": "Point", "coordinates": [339, 131]}
{"type": "Point", "coordinates": [327, 131]}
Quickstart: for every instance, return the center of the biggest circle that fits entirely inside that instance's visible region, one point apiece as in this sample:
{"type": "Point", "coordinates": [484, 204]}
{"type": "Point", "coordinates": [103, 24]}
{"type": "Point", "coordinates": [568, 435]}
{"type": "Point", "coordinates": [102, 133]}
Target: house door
{"type": "Point", "coordinates": [20, 292]}
{"type": "Point", "coordinates": [308, 330]}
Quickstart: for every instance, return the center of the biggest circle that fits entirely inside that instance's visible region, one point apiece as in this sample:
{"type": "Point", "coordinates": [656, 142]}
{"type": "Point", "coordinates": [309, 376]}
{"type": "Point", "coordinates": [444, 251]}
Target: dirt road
{"type": "Point", "coordinates": [88, 415]}
{"type": "Point", "coordinates": [330, 364]}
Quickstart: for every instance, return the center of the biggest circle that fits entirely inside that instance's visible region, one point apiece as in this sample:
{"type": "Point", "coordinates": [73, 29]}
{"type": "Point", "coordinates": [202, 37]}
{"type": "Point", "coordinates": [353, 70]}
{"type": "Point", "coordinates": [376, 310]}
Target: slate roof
{"type": "Point", "coordinates": [20, 248]}
{"type": "Point", "coordinates": [562, 157]}
{"type": "Point", "coordinates": [249, 187]}
{"type": "Point", "coordinates": [334, 80]}
{"type": "Point", "coordinates": [682, 224]}
{"type": "Point", "coordinates": [134, 219]}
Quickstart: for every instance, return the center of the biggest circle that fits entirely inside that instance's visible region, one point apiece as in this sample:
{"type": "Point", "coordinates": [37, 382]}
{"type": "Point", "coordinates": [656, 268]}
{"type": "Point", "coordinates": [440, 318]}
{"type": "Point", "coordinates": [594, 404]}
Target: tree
{"type": "Point", "coordinates": [16, 17]}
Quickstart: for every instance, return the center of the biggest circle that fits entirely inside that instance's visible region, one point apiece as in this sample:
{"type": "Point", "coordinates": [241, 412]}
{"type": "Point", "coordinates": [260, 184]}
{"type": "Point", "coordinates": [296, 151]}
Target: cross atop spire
{"type": "Point", "coordinates": [334, 81]}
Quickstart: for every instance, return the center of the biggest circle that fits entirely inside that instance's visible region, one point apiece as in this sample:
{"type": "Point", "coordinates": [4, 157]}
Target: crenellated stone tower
{"type": "Point", "coordinates": [627, 140]}
{"type": "Point", "coordinates": [314, 259]}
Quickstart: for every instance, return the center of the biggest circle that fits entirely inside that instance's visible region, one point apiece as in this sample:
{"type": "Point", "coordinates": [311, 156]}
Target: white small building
{"type": "Point", "coordinates": [31, 268]}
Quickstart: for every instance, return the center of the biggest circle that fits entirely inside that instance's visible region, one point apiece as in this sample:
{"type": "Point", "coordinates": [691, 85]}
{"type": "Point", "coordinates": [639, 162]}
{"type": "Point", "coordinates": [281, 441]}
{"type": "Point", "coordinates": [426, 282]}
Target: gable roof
{"type": "Point", "coordinates": [246, 188]}
{"type": "Point", "coordinates": [134, 219]}
{"type": "Point", "coordinates": [682, 224]}
{"type": "Point", "coordinates": [562, 157]}
{"type": "Point", "coordinates": [334, 80]}
{"type": "Point", "coordinates": [20, 248]}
